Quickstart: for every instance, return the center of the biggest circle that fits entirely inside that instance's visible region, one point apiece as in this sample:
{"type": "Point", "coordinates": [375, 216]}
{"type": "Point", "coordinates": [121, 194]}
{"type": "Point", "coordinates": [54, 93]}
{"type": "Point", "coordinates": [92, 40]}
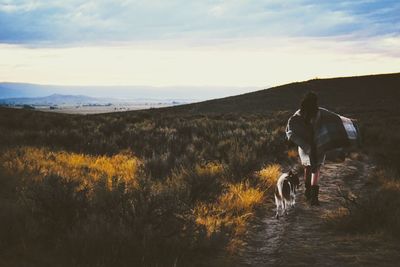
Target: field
{"type": "Point", "coordinates": [176, 186]}
{"type": "Point", "coordinates": [97, 108]}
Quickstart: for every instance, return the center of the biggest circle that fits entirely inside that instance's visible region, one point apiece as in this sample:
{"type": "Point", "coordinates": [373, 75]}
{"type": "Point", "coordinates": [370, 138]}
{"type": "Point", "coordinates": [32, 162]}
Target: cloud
{"type": "Point", "coordinates": [204, 42]}
{"type": "Point", "coordinates": [76, 22]}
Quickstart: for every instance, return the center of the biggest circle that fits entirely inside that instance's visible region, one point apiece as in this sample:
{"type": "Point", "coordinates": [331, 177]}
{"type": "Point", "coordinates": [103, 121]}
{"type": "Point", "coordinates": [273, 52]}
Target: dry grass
{"type": "Point", "coordinates": [391, 184]}
{"type": "Point", "coordinates": [232, 212]}
{"type": "Point", "coordinates": [42, 162]}
{"type": "Point", "coordinates": [226, 215]}
{"type": "Point", "coordinates": [210, 169]}
{"type": "Point", "coordinates": [376, 211]}
{"type": "Point", "coordinates": [336, 215]}
{"type": "Point", "coordinates": [240, 198]}
{"type": "Point", "coordinates": [269, 175]}
{"type": "Point", "coordinates": [388, 179]}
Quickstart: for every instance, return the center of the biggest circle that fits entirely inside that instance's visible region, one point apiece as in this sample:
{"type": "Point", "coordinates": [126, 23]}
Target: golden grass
{"type": "Point", "coordinates": [210, 169]}
{"type": "Point", "coordinates": [269, 175]}
{"type": "Point", "coordinates": [232, 211]}
{"type": "Point", "coordinates": [292, 154]}
{"type": "Point", "coordinates": [41, 162]}
{"type": "Point", "coordinates": [240, 198]}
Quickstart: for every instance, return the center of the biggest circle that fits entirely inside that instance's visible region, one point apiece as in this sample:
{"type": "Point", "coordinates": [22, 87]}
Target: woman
{"type": "Point", "coordinates": [316, 130]}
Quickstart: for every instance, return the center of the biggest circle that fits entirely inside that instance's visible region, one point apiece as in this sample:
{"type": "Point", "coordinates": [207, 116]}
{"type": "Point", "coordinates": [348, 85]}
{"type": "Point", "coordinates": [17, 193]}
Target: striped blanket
{"type": "Point", "coordinates": [329, 131]}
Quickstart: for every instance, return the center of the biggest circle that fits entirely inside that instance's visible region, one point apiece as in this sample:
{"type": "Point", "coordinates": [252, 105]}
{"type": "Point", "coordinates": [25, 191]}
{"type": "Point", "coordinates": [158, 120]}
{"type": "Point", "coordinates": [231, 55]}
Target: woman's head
{"type": "Point", "coordinates": [309, 105]}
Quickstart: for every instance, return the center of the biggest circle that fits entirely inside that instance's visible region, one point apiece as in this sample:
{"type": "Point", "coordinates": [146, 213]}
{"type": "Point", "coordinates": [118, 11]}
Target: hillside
{"type": "Point", "coordinates": [350, 93]}
{"type": "Point", "coordinates": [192, 185]}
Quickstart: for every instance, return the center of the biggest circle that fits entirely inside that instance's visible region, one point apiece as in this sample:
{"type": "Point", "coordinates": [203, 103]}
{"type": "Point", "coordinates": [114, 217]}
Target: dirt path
{"type": "Point", "coordinates": [300, 238]}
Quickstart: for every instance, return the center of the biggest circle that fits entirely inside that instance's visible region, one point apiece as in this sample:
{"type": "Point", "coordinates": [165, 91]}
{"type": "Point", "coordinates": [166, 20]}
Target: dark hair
{"type": "Point", "coordinates": [309, 105]}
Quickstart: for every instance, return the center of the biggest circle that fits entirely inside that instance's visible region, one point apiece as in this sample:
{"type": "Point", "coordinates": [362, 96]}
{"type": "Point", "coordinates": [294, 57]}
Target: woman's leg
{"type": "Point", "coordinates": [315, 187]}
{"type": "Point", "coordinates": [307, 182]}
{"type": "Point", "coordinates": [315, 176]}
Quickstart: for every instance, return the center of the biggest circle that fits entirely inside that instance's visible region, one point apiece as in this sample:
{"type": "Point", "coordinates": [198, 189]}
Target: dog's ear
{"type": "Point", "coordinates": [290, 173]}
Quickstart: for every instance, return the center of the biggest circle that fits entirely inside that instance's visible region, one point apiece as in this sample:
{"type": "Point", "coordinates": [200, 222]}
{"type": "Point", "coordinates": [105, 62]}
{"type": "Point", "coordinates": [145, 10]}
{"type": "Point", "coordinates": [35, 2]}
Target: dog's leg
{"type": "Point", "coordinates": [291, 194]}
{"type": "Point", "coordinates": [277, 207]}
{"type": "Point", "coordinates": [293, 198]}
{"type": "Point", "coordinates": [284, 205]}
{"type": "Point", "coordinates": [287, 207]}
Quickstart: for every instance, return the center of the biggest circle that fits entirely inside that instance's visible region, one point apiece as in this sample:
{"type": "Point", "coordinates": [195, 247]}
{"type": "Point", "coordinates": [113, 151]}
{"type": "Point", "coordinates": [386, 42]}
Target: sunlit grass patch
{"type": "Point", "coordinates": [231, 212]}
{"type": "Point", "coordinates": [42, 162]}
{"type": "Point", "coordinates": [240, 198]}
{"type": "Point", "coordinates": [210, 169]}
{"type": "Point", "coordinates": [269, 175]}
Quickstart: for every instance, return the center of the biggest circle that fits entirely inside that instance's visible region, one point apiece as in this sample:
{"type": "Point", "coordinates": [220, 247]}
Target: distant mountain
{"type": "Point", "coordinates": [55, 99]}
{"type": "Point", "coordinates": [344, 93]}
{"type": "Point", "coordinates": [13, 90]}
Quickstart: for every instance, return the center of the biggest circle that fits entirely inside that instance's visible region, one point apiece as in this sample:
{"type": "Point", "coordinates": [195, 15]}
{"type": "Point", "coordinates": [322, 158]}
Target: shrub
{"type": "Point", "coordinates": [205, 182]}
{"type": "Point", "coordinates": [376, 212]}
{"type": "Point", "coordinates": [42, 162]}
{"type": "Point", "coordinates": [56, 202]}
{"type": "Point", "coordinates": [231, 213]}
{"type": "Point", "coordinates": [269, 175]}
{"type": "Point", "coordinates": [184, 195]}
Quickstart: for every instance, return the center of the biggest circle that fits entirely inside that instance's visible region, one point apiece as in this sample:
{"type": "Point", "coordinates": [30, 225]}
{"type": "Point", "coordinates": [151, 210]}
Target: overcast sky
{"type": "Point", "coordinates": [235, 43]}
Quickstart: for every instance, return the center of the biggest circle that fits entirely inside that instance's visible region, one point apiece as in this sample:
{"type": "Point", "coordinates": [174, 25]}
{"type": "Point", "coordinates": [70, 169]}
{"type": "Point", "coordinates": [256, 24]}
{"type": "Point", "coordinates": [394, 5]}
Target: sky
{"type": "Point", "coordinates": [236, 43]}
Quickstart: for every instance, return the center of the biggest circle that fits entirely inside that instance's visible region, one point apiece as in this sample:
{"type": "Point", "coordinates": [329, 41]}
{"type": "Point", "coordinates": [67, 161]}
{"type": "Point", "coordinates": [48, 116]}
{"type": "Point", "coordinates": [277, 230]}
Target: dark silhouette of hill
{"type": "Point", "coordinates": [348, 93]}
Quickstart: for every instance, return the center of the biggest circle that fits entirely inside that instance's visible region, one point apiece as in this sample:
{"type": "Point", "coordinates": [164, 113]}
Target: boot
{"type": "Point", "coordinates": [307, 183]}
{"type": "Point", "coordinates": [314, 195]}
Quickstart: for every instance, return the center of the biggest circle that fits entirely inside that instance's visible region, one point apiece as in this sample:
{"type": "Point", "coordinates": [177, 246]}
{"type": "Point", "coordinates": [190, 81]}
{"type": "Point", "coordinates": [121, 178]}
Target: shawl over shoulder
{"type": "Point", "coordinates": [331, 131]}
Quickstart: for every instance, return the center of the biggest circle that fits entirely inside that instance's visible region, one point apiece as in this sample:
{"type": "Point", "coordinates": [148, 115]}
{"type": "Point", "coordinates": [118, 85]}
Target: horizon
{"type": "Point", "coordinates": [187, 85]}
{"type": "Point", "coordinates": [137, 92]}
{"type": "Point", "coordinates": [16, 89]}
{"type": "Point", "coordinates": [232, 44]}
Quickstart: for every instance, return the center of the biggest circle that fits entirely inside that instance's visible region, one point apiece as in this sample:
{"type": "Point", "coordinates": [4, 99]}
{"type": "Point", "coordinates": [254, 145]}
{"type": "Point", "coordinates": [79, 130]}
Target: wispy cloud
{"type": "Point", "coordinates": [202, 42]}
{"type": "Point", "coordinates": [91, 22]}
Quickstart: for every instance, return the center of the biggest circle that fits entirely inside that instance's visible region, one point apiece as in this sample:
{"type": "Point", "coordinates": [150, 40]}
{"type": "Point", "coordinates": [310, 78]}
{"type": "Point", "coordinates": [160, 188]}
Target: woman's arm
{"type": "Point", "coordinates": [297, 133]}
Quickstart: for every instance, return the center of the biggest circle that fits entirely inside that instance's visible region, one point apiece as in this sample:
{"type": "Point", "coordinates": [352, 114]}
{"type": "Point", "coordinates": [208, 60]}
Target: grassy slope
{"type": "Point", "coordinates": [371, 99]}
{"type": "Point", "coordinates": [202, 132]}
{"type": "Point", "coordinates": [351, 93]}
